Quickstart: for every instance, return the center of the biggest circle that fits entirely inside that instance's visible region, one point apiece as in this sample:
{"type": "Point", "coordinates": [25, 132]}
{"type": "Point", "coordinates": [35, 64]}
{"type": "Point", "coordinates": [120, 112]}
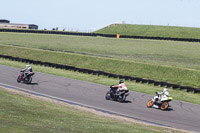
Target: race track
{"type": "Point", "coordinates": [182, 115]}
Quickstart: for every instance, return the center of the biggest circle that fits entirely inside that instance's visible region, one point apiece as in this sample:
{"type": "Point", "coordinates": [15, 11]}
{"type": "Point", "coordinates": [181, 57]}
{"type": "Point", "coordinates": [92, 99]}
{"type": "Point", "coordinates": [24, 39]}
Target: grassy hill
{"type": "Point", "coordinates": [151, 31]}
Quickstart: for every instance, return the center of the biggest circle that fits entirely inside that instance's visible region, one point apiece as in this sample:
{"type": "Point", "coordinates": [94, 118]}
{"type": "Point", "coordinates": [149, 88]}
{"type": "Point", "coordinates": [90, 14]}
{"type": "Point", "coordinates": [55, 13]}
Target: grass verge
{"type": "Point", "coordinates": [143, 88]}
{"type": "Point", "coordinates": [181, 76]}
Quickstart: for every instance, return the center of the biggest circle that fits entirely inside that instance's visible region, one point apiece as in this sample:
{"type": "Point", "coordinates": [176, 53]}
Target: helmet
{"type": "Point", "coordinates": [121, 81]}
{"type": "Point", "coordinates": [27, 66]}
{"type": "Point", "coordinates": [165, 90]}
{"type": "Point", "coordinates": [166, 93]}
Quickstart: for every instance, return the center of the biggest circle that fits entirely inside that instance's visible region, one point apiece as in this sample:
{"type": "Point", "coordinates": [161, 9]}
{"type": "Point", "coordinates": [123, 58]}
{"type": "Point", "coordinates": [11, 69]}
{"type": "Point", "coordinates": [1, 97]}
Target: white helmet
{"type": "Point", "coordinates": [166, 93]}
{"type": "Point", "coordinates": [27, 66]}
{"type": "Point", "coordinates": [165, 90]}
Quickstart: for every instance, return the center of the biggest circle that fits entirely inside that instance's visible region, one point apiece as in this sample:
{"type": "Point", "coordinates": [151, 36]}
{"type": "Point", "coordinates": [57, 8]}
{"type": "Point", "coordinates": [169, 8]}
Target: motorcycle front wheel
{"type": "Point", "coordinates": [150, 103]}
{"type": "Point", "coordinates": [18, 79]}
{"type": "Point", "coordinates": [107, 96]}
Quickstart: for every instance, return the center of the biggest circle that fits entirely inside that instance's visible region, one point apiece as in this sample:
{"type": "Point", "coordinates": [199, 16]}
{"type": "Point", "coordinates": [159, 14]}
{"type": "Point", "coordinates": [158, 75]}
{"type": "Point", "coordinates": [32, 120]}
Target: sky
{"type": "Point", "coordinates": [91, 15]}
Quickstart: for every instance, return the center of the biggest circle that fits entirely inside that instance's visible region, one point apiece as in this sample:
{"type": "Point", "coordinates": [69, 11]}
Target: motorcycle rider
{"type": "Point", "coordinates": [120, 87]}
{"type": "Point", "coordinates": [163, 94]}
{"type": "Point", "coordinates": [27, 71]}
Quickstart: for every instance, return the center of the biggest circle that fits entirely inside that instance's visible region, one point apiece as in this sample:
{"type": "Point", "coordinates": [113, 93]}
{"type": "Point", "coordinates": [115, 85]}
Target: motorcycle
{"type": "Point", "coordinates": [27, 79]}
{"type": "Point", "coordinates": [163, 103]}
{"type": "Point", "coordinates": [112, 95]}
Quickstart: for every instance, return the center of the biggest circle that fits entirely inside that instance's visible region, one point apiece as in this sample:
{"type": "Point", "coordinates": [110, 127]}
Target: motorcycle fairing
{"type": "Point", "coordinates": [167, 99]}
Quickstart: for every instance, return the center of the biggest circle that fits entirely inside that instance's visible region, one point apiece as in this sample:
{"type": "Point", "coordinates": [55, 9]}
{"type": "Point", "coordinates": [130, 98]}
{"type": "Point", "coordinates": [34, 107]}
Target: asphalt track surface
{"type": "Point", "coordinates": [181, 115]}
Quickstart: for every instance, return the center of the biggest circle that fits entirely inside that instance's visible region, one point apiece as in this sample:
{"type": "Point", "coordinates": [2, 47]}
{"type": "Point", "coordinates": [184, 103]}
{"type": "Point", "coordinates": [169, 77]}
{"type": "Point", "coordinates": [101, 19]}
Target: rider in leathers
{"type": "Point", "coordinates": [163, 94]}
{"type": "Point", "coordinates": [27, 70]}
{"type": "Point", "coordinates": [120, 87]}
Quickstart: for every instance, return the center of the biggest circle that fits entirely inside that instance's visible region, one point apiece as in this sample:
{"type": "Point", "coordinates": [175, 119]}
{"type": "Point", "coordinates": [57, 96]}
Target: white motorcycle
{"type": "Point", "coordinates": [163, 103]}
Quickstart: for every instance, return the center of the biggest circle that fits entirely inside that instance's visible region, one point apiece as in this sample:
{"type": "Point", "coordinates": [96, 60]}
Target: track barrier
{"type": "Point", "coordinates": [110, 75]}
{"type": "Point", "coordinates": [98, 34]}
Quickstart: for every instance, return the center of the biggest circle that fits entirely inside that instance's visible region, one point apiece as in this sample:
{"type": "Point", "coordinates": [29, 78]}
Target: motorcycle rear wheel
{"type": "Point", "coordinates": [150, 103]}
{"type": "Point", "coordinates": [164, 105]}
{"type": "Point", "coordinates": [121, 98]}
{"type": "Point", "coordinates": [29, 80]}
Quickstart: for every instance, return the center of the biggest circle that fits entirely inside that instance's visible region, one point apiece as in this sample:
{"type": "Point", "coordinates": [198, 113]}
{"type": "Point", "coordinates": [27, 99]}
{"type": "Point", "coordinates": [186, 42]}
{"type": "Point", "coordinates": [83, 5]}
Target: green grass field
{"type": "Point", "coordinates": [151, 30]}
{"type": "Point", "coordinates": [21, 114]}
{"type": "Point", "coordinates": [179, 54]}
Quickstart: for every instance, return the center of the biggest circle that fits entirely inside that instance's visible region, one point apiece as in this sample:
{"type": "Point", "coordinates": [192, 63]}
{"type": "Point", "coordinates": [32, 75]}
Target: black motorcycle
{"type": "Point", "coordinates": [27, 79]}
{"type": "Point", "coordinates": [120, 96]}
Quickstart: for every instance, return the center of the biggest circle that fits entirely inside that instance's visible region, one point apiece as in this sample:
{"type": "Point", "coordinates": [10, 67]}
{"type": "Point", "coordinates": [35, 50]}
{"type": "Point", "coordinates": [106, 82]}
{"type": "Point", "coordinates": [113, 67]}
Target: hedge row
{"type": "Point", "coordinates": [98, 34]}
{"type": "Point", "coordinates": [110, 75]}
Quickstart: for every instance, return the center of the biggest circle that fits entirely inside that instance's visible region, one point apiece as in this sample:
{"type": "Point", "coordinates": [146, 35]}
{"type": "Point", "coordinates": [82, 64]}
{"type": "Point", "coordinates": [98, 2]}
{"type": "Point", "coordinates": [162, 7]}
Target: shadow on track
{"type": "Point", "coordinates": [127, 101]}
{"type": "Point", "coordinates": [37, 83]}
{"type": "Point", "coordinates": [33, 84]}
{"type": "Point", "coordinates": [168, 109]}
